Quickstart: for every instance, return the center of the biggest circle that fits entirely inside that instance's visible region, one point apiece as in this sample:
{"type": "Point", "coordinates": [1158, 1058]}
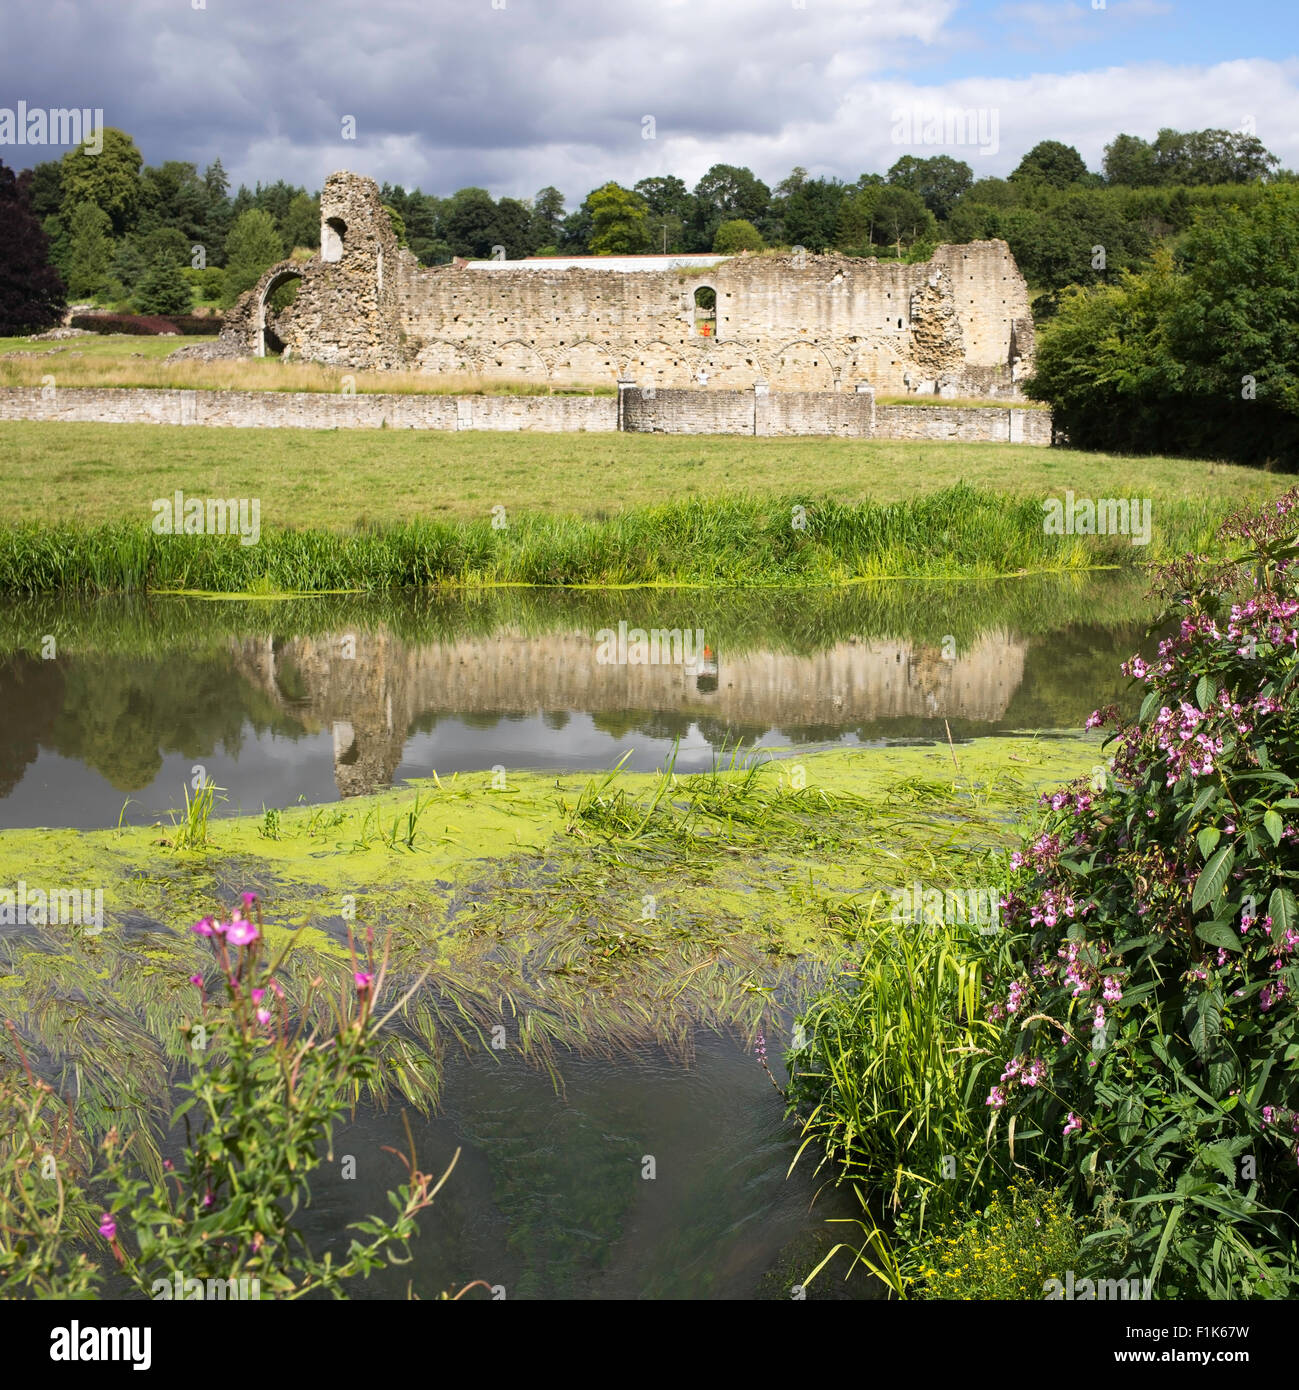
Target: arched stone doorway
{"type": "Point", "coordinates": [267, 340]}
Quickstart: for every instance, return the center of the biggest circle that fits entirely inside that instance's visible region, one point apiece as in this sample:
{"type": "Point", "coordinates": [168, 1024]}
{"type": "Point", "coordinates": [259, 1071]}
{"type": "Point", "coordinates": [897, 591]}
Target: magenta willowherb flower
{"type": "Point", "coordinates": [363, 980]}
{"type": "Point", "coordinates": [107, 1227]}
{"type": "Point", "coordinates": [263, 1016]}
{"type": "Point", "coordinates": [1072, 1125]}
{"type": "Point", "coordinates": [203, 927]}
{"type": "Point", "coordinates": [249, 899]}
{"type": "Point", "coordinates": [241, 932]}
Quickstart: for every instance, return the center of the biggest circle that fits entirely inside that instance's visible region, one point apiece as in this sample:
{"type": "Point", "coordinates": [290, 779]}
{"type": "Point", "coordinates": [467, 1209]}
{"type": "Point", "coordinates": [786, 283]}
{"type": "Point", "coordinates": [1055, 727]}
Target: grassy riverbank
{"type": "Point", "coordinates": [577, 912]}
{"type": "Point", "coordinates": [737, 542]}
{"type": "Point", "coordinates": [343, 479]}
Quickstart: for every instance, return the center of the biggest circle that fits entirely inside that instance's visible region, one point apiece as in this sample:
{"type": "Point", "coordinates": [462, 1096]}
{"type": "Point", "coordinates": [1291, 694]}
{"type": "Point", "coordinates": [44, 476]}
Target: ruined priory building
{"type": "Point", "coordinates": [956, 325]}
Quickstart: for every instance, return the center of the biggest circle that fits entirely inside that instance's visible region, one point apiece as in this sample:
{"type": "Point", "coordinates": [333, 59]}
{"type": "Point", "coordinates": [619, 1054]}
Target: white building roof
{"type": "Point", "coordinates": [619, 263]}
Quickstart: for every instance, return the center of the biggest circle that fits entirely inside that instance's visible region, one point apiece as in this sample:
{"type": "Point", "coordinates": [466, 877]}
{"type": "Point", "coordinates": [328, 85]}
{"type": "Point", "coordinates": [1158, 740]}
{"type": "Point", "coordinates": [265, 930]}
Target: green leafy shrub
{"type": "Point", "coordinates": [1193, 356]}
{"type": "Point", "coordinates": [1151, 1034]}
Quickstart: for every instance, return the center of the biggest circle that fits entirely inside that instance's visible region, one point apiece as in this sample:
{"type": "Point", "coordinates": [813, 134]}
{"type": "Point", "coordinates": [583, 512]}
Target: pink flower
{"type": "Point", "coordinates": [241, 932]}
{"type": "Point", "coordinates": [1072, 1125]}
{"type": "Point", "coordinates": [107, 1227]}
{"type": "Point", "coordinates": [996, 1098]}
{"type": "Point", "coordinates": [1034, 1072]}
{"type": "Point", "coordinates": [196, 981]}
{"type": "Point", "coordinates": [263, 1016]}
{"type": "Point", "coordinates": [203, 927]}
{"type": "Point", "coordinates": [258, 995]}
{"type": "Point", "coordinates": [249, 899]}
{"type": "Point", "coordinates": [363, 981]}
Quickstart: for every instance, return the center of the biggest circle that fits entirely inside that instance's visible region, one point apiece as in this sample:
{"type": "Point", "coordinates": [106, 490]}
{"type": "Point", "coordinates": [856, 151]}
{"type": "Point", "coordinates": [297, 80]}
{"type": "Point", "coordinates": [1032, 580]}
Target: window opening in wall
{"type": "Point", "coordinates": [333, 230]}
{"type": "Point", "coordinates": [706, 311]}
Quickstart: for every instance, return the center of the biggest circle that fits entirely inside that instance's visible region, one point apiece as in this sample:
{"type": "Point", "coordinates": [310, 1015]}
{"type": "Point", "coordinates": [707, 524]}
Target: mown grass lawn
{"type": "Point", "coordinates": [53, 471]}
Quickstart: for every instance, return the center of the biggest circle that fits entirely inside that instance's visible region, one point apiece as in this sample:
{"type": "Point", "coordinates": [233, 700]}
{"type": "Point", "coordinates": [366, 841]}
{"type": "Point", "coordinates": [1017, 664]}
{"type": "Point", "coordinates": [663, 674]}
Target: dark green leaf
{"type": "Point", "coordinates": [1283, 911]}
{"type": "Point", "coordinates": [1219, 932]}
{"type": "Point", "coordinates": [1208, 1022]}
{"type": "Point", "coordinates": [1209, 885]}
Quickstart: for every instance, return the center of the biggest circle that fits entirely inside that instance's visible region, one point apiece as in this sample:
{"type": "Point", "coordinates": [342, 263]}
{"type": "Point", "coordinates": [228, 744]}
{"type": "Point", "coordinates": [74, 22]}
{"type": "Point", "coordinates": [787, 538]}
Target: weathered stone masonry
{"type": "Point", "coordinates": [958, 324]}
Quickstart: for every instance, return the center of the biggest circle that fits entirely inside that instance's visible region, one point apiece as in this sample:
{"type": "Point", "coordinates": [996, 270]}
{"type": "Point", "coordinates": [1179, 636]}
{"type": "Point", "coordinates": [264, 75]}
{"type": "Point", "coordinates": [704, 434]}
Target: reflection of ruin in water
{"type": "Point", "coordinates": [371, 688]}
{"type": "Point", "coordinates": [706, 680]}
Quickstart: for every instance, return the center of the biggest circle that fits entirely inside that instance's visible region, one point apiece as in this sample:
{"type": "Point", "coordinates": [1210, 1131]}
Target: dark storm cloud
{"type": "Point", "coordinates": [446, 94]}
{"type": "Point", "coordinates": [530, 92]}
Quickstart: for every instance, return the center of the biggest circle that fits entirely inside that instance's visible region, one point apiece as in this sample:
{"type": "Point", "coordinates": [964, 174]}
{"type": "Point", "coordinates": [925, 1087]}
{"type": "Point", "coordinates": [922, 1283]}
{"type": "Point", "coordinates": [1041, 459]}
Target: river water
{"type": "Point", "coordinates": [636, 1177]}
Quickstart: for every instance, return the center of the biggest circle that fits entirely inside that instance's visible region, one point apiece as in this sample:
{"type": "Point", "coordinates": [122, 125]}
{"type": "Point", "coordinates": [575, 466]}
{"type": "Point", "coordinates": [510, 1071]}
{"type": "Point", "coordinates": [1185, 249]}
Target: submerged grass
{"type": "Point", "coordinates": [726, 542]}
{"type": "Point", "coordinates": [595, 914]}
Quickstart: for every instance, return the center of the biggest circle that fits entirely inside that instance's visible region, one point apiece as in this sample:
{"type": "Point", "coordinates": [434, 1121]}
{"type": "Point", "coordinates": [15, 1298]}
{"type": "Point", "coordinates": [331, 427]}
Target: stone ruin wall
{"type": "Point", "coordinates": [821, 325]}
{"type": "Point", "coordinates": [958, 324]}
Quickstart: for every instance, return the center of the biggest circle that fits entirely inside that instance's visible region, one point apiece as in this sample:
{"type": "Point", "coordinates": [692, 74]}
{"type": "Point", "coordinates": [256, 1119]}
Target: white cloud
{"type": "Point", "coordinates": [554, 91]}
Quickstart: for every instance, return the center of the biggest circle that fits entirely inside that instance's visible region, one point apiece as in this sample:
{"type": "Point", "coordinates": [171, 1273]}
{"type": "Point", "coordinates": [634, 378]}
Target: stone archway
{"type": "Point", "coordinates": [264, 337]}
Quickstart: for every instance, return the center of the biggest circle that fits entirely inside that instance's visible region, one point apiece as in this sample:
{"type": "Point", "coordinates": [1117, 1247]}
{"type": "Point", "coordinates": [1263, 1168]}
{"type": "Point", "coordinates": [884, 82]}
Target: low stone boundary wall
{"type": "Point", "coordinates": [972, 423]}
{"type": "Point", "coordinates": [310, 410]}
{"type": "Point", "coordinates": [757, 412]}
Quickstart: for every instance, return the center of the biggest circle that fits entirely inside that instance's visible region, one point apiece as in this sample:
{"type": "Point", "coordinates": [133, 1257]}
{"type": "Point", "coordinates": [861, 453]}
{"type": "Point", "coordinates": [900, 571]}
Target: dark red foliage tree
{"type": "Point", "coordinates": [32, 295]}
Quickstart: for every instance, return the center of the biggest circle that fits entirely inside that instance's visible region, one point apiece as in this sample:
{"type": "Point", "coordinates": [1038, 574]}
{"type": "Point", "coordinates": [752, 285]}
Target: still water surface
{"type": "Point", "coordinates": [324, 699]}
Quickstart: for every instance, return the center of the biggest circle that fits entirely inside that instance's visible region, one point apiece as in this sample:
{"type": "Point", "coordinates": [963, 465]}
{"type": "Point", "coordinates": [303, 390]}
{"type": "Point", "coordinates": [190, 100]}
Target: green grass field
{"type": "Point", "coordinates": [105, 348]}
{"type": "Point", "coordinates": [54, 472]}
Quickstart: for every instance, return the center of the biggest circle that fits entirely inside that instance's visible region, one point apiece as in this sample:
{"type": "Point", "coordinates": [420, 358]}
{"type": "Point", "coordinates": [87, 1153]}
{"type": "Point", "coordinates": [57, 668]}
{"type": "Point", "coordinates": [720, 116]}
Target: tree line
{"type": "Point", "coordinates": [1196, 353]}
{"type": "Point", "coordinates": [158, 238]}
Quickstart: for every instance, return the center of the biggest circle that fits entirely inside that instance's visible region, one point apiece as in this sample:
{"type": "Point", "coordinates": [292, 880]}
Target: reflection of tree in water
{"type": "Point", "coordinates": [814, 733]}
{"type": "Point", "coordinates": [618, 723]}
{"type": "Point", "coordinates": [665, 724]}
{"type": "Point", "coordinates": [123, 716]}
{"type": "Point", "coordinates": [33, 696]}
{"type": "Point", "coordinates": [720, 733]}
{"type": "Point", "coordinates": [1071, 673]}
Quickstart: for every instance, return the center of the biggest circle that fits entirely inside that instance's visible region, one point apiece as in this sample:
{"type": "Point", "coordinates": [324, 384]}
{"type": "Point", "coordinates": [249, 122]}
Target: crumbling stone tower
{"type": "Point", "coordinates": [346, 310]}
